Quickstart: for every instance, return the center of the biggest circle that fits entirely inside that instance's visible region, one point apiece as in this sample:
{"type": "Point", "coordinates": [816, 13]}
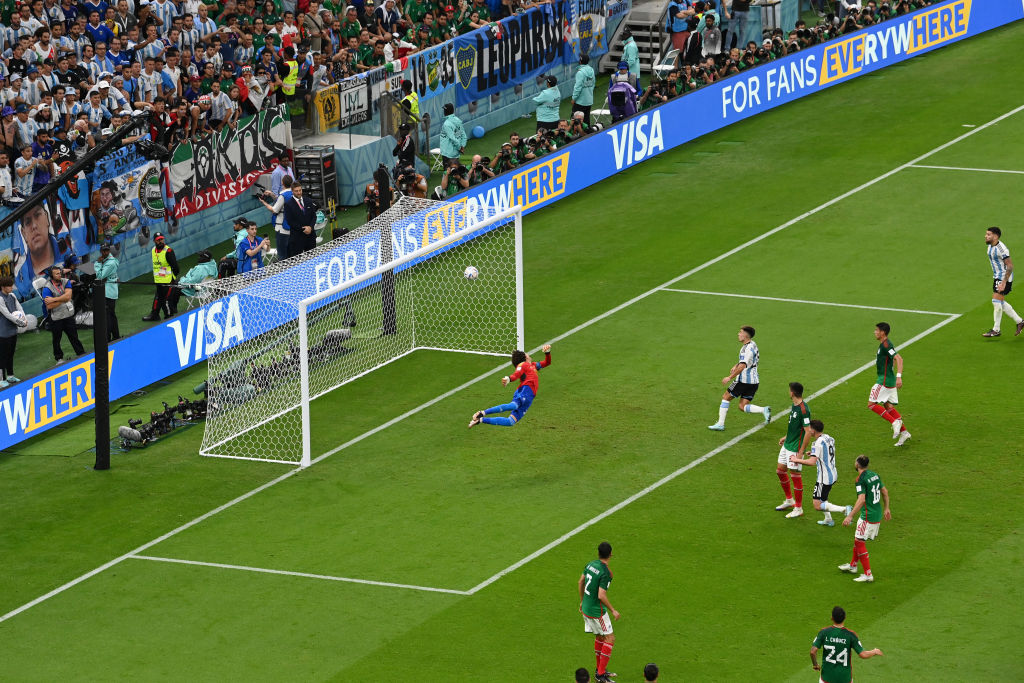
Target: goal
{"type": "Point", "coordinates": [297, 329]}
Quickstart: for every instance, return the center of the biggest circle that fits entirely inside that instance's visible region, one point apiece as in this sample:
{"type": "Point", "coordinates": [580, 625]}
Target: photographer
{"type": "Point", "coordinates": [249, 252]}
{"type": "Point", "coordinates": [281, 231]}
{"type": "Point", "coordinates": [412, 184]}
{"type": "Point", "coordinates": [479, 171]}
{"type": "Point", "coordinates": [372, 197]}
{"type": "Point", "coordinates": [56, 295]}
{"type": "Point", "coordinates": [505, 159]}
{"type": "Point", "coordinates": [563, 134]}
{"type": "Point", "coordinates": [578, 128]}
{"type": "Point", "coordinates": [541, 143]}
{"type": "Point", "coordinates": [455, 178]}
{"type": "Point", "coordinates": [657, 93]}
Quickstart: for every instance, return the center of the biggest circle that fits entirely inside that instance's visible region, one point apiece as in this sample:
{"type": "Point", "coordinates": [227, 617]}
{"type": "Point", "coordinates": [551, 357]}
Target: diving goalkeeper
{"type": "Point", "coordinates": [526, 373]}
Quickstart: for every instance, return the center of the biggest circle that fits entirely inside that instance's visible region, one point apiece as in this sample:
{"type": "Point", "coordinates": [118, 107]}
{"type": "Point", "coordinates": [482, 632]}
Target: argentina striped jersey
{"type": "Point", "coordinates": [824, 449]}
{"type": "Point", "coordinates": [750, 356]}
{"type": "Point", "coordinates": [997, 255]}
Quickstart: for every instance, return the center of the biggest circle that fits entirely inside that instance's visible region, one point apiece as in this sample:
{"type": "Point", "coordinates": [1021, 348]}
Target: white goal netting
{"type": "Point", "coordinates": [395, 285]}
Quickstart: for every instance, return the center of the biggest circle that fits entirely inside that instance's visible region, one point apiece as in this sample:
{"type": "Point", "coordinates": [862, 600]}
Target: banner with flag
{"type": "Point", "coordinates": [588, 22]}
{"type": "Point", "coordinates": [512, 51]}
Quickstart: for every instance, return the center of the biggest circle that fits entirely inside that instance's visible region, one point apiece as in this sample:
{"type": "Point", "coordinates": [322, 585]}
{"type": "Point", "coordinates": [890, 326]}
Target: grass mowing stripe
{"type": "Point", "coordinates": [686, 468]}
{"type": "Point", "coordinates": [692, 271]}
{"type": "Point", "coordinates": [805, 301]}
{"type": "Point", "coordinates": [305, 575]}
{"type": "Point", "coordinates": [965, 168]}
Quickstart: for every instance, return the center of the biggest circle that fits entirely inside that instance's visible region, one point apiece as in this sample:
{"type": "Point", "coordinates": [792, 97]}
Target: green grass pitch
{"type": "Point", "coordinates": [498, 523]}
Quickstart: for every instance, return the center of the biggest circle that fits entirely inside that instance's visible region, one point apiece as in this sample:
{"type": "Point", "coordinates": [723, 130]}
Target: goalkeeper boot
{"type": "Point", "coordinates": [477, 417]}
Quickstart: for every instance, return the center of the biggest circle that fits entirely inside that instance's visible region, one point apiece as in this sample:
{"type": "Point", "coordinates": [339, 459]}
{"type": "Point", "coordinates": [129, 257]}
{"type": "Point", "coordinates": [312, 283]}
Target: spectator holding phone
{"type": "Point", "coordinates": [250, 250]}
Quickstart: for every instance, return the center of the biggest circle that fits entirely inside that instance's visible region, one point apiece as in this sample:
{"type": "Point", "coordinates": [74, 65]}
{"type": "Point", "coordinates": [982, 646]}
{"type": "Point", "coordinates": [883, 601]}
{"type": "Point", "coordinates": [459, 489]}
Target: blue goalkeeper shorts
{"type": "Point", "coordinates": [524, 398]}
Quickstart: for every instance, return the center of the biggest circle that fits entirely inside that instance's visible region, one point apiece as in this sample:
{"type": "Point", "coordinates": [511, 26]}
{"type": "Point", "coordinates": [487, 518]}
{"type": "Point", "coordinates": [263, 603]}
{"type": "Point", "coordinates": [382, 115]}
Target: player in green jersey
{"type": "Point", "coordinates": [798, 435]}
{"type": "Point", "coordinates": [883, 397]}
{"type": "Point", "coordinates": [595, 607]}
{"type": "Point", "coordinates": [873, 506]}
{"type": "Point", "coordinates": [837, 641]}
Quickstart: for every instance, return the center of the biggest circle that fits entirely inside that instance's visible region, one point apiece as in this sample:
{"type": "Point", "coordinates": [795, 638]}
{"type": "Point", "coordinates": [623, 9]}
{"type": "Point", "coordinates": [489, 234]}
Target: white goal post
{"type": "Point", "coordinates": [327, 317]}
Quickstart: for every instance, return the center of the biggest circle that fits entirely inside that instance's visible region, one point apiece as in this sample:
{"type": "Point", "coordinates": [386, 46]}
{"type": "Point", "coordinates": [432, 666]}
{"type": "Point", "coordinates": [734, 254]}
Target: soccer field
{"type": "Point", "coordinates": [417, 550]}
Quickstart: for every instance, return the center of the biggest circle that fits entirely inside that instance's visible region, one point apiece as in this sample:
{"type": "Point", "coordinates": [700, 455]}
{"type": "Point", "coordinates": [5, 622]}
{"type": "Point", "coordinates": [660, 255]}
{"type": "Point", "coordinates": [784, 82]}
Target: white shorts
{"type": "Point", "coordinates": [599, 626]}
{"type": "Point", "coordinates": [866, 531]}
{"type": "Point", "coordinates": [784, 456]}
{"type": "Point", "coordinates": [883, 394]}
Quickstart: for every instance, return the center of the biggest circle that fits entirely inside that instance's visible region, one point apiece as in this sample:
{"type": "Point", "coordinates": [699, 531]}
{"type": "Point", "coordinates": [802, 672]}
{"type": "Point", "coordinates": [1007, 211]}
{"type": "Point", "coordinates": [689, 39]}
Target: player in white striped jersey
{"type": "Point", "coordinates": [1002, 282]}
{"type": "Point", "coordinates": [823, 457]}
{"type": "Point", "coordinates": [742, 381]}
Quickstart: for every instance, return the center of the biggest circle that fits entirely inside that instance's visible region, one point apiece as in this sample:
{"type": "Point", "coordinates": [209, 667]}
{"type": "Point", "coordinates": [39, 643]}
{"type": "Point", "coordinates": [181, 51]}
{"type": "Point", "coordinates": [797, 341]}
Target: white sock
{"type": "Point", "coordinates": [828, 516]}
{"type": "Point", "coordinates": [723, 410]}
{"type": "Point", "coordinates": [997, 313]}
{"type": "Point", "coordinates": [830, 507]}
{"type": "Point", "coordinates": [751, 408]}
{"type": "Point", "coordinates": [1008, 309]}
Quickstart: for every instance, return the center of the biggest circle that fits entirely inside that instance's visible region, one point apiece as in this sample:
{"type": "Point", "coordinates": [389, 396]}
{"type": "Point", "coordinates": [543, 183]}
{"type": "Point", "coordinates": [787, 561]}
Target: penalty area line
{"type": "Point", "coordinates": [965, 168]}
{"type": "Point", "coordinates": [304, 575]}
{"type": "Point", "coordinates": [805, 301]}
{"type": "Point", "coordinates": [683, 470]}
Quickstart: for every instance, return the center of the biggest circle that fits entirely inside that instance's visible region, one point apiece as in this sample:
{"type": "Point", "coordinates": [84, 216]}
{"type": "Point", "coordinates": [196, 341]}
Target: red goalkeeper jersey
{"type": "Point", "coordinates": [526, 373]}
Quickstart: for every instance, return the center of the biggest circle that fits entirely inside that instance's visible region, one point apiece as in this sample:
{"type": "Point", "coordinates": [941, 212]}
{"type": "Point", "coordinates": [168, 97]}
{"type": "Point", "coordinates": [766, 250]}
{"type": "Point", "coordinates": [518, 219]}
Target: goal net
{"type": "Point", "coordinates": [300, 328]}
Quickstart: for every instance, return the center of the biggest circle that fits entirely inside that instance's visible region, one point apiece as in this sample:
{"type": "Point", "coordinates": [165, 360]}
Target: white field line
{"type": "Point", "coordinates": [804, 301]}
{"type": "Point", "coordinates": [964, 168]}
{"type": "Point", "coordinates": [305, 575]}
{"type": "Point", "coordinates": [60, 589]}
{"type": "Point", "coordinates": [685, 468]}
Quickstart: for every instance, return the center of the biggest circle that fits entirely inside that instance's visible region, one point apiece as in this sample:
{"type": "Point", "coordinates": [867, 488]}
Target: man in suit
{"type": "Point", "coordinates": [301, 217]}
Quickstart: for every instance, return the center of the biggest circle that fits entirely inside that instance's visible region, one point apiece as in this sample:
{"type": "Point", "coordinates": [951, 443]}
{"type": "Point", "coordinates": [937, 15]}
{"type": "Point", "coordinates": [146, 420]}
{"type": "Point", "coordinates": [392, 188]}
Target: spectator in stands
{"type": "Point", "coordinates": [455, 178]}
{"type": "Point", "coordinates": [6, 182]}
{"type": "Point", "coordinates": [480, 170]}
{"type": "Point", "coordinates": [25, 172]}
{"type": "Point", "coordinates": [387, 19]}
{"type": "Point", "coordinates": [106, 269]}
{"type": "Point", "coordinates": [301, 216]}
{"type": "Point", "coordinates": [711, 37]}
{"type": "Point", "coordinates": [453, 135]}
{"type": "Point", "coordinates": [651, 673]}
{"type": "Point", "coordinates": [679, 11]}
{"type": "Point", "coordinates": [42, 151]}
{"type": "Point", "coordinates": [56, 295]}
{"type": "Point", "coordinates": [165, 270]}
{"type": "Point", "coordinates": [281, 231]}
{"type": "Point", "coordinates": [13, 320]}
{"type": "Point", "coordinates": [583, 88]}
{"type": "Point", "coordinates": [251, 250]}
{"type": "Point", "coordinates": [548, 101]}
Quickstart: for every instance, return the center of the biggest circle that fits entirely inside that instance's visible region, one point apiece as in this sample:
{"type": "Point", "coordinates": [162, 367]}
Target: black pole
{"type": "Point", "coordinates": [101, 381]}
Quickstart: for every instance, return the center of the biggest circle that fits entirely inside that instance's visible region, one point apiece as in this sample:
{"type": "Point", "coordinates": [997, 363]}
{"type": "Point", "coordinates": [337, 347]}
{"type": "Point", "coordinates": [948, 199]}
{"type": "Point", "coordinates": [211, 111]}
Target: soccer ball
{"type": "Point", "coordinates": [18, 315]}
{"type": "Point", "coordinates": [471, 273]}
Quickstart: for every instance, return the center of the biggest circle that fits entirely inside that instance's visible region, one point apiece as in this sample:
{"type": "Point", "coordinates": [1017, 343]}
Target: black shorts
{"type": "Point", "coordinates": [995, 287]}
{"type": "Point", "coordinates": [821, 491]}
{"type": "Point", "coordinates": [742, 390]}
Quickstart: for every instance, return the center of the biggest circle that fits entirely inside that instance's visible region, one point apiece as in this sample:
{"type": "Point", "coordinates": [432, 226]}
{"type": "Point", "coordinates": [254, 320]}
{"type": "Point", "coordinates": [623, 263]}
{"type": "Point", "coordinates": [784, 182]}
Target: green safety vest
{"type": "Point", "coordinates": [292, 78]}
{"type": "Point", "coordinates": [413, 99]}
{"type": "Point", "coordinates": [162, 273]}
